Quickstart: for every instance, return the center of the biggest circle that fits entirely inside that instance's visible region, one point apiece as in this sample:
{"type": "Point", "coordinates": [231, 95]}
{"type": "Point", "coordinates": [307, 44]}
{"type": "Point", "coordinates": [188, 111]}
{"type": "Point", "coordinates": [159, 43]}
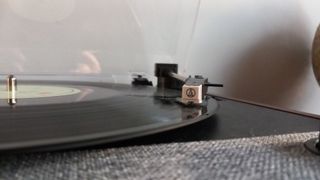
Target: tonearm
{"type": "Point", "coordinates": [193, 89]}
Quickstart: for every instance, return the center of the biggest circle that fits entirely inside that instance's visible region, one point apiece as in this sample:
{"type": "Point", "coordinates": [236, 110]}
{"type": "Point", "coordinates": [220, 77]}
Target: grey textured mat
{"type": "Point", "coordinates": [273, 157]}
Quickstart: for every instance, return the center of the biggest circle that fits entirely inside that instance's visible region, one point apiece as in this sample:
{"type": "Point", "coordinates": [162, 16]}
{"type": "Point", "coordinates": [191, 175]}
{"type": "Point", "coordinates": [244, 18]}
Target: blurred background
{"type": "Point", "coordinates": [260, 50]}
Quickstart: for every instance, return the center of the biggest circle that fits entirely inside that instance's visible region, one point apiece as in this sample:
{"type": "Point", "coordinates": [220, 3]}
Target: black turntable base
{"type": "Point", "coordinates": [232, 121]}
{"type": "Point", "coordinates": [61, 115]}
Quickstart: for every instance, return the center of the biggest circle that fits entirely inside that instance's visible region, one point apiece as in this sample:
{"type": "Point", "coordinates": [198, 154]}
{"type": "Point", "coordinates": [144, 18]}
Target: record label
{"type": "Point", "coordinates": [39, 91]}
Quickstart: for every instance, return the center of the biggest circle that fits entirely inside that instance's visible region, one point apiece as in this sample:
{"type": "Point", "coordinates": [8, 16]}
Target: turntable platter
{"type": "Point", "coordinates": [60, 115]}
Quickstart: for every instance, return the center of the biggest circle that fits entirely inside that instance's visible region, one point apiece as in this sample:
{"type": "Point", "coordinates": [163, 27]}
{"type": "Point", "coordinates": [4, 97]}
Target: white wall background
{"type": "Point", "coordinates": [98, 36]}
{"type": "Point", "coordinates": [259, 49]}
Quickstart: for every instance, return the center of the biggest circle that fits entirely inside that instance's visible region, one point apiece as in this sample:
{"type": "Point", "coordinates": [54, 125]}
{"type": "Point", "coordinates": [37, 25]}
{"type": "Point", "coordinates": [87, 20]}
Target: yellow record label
{"type": "Point", "coordinates": [38, 91]}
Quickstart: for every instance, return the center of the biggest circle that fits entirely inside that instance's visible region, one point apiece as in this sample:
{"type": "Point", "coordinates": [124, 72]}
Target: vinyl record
{"type": "Point", "coordinates": [53, 115]}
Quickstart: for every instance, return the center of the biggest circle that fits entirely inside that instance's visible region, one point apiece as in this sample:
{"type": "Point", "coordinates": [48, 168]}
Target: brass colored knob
{"type": "Point", "coordinates": [316, 55]}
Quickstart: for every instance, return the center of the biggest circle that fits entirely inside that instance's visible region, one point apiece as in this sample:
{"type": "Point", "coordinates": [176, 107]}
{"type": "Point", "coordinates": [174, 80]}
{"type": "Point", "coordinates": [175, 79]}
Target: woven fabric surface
{"type": "Point", "coordinates": [272, 157]}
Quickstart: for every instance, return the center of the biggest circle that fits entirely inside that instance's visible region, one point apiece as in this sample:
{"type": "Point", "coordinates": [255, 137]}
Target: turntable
{"type": "Point", "coordinates": [55, 112]}
{"type": "Point", "coordinates": [49, 114]}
